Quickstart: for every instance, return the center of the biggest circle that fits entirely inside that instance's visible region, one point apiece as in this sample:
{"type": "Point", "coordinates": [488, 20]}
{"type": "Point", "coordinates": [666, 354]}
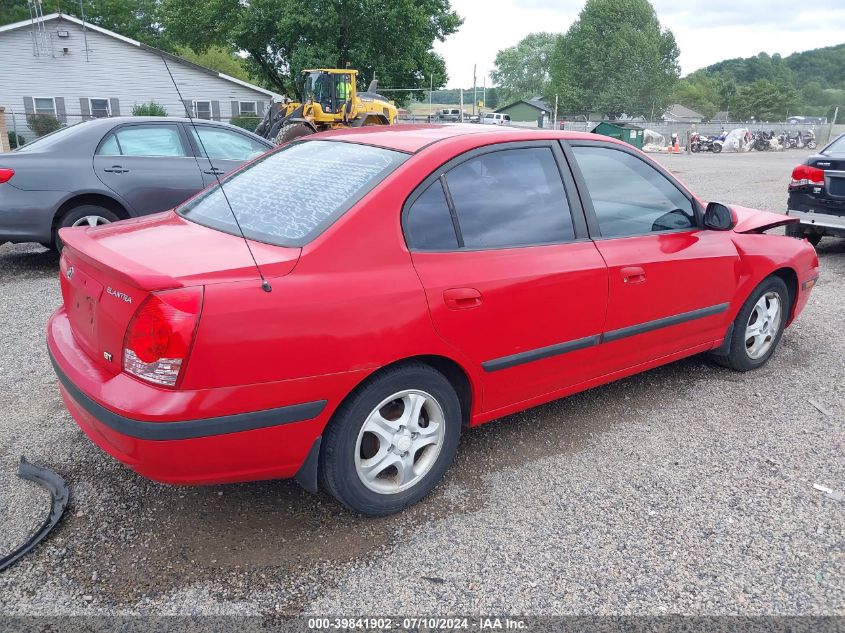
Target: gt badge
{"type": "Point", "coordinates": [69, 273]}
{"type": "Point", "coordinates": [107, 356]}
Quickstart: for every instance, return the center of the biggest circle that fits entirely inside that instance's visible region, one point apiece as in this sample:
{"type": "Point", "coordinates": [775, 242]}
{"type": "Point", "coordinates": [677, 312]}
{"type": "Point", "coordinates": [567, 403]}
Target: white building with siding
{"type": "Point", "coordinates": [73, 71]}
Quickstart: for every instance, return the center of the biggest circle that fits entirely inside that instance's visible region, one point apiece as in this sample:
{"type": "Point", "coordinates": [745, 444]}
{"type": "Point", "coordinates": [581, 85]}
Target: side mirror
{"type": "Point", "coordinates": [718, 217]}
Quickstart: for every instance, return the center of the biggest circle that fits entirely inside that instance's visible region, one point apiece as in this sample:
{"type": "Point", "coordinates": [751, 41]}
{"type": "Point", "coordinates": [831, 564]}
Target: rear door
{"type": "Point", "coordinates": [149, 165]}
{"type": "Point", "coordinates": [220, 150]}
{"type": "Point", "coordinates": [500, 244]}
{"type": "Point", "coordinates": [670, 280]}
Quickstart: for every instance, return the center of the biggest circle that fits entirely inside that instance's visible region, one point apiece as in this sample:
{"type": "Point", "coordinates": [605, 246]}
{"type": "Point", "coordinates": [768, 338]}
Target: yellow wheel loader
{"type": "Point", "coordinates": [329, 100]}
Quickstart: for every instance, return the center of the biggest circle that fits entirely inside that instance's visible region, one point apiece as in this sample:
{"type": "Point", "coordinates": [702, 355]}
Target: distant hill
{"type": "Point", "coordinates": [769, 87]}
{"type": "Point", "coordinates": [823, 65]}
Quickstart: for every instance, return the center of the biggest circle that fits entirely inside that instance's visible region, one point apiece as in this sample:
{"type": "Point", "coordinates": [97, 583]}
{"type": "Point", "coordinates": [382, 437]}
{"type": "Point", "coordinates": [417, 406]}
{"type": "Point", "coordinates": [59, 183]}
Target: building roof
{"type": "Point", "coordinates": [677, 111]}
{"type": "Point", "coordinates": [171, 57]}
{"type": "Point", "coordinates": [534, 102]}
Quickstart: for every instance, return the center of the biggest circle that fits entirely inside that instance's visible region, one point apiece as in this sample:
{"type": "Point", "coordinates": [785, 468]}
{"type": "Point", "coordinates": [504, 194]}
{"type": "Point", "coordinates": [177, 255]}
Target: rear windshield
{"type": "Point", "coordinates": [288, 197]}
{"type": "Point", "coordinates": [49, 141]}
{"type": "Point", "coordinates": [837, 147]}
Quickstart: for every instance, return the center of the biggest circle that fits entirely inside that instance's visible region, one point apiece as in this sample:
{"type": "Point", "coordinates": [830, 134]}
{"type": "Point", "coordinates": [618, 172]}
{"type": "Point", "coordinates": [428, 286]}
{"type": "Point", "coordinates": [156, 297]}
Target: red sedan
{"type": "Point", "coordinates": [420, 280]}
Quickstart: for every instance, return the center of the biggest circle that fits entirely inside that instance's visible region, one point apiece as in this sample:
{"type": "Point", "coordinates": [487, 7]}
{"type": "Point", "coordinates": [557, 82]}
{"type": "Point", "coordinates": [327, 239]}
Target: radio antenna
{"type": "Point", "coordinates": [265, 285]}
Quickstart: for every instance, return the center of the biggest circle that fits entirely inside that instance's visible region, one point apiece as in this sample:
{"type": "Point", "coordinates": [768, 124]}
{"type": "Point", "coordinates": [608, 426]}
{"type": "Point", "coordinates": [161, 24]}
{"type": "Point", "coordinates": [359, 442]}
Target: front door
{"type": "Point", "coordinates": [670, 281]}
{"type": "Point", "coordinates": [149, 166]}
{"type": "Point", "coordinates": [499, 242]}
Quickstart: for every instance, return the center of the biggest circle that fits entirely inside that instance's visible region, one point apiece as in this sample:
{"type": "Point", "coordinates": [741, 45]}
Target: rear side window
{"type": "Point", "coordinates": [290, 196]}
{"type": "Point", "coordinates": [630, 197]}
{"type": "Point", "coordinates": [512, 197]}
{"type": "Point", "coordinates": [144, 140]}
{"type": "Point", "coordinates": [430, 224]}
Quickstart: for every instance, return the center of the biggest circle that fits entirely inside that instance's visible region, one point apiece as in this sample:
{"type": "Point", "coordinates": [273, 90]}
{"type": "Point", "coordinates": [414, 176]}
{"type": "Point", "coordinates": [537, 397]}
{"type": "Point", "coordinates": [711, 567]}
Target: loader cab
{"type": "Point", "coordinates": [330, 89]}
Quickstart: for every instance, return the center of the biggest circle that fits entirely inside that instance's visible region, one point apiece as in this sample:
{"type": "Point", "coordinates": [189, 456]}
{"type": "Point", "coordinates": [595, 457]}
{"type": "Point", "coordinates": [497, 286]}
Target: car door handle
{"type": "Point", "coordinates": [462, 298]}
{"type": "Point", "coordinates": [633, 275]}
{"type": "Point", "coordinates": [116, 169]}
{"type": "Point", "coordinates": [214, 172]}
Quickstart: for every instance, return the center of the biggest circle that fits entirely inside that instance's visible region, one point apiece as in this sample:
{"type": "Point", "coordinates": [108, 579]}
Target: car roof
{"type": "Point", "coordinates": [414, 138]}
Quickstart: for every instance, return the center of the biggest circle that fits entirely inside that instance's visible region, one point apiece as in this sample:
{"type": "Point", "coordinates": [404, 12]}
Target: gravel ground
{"type": "Point", "coordinates": [687, 489]}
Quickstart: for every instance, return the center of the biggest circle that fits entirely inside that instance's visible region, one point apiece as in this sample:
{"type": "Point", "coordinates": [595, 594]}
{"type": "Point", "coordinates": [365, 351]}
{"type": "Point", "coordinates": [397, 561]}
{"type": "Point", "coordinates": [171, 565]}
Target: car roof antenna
{"type": "Point", "coordinates": [265, 285]}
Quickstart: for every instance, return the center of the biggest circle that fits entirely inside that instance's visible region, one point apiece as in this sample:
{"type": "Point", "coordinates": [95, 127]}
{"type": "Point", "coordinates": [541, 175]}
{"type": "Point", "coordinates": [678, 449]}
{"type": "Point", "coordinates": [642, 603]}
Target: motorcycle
{"type": "Point", "coordinates": [809, 138]}
{"type": "Point", "coordinates": [699, 143]}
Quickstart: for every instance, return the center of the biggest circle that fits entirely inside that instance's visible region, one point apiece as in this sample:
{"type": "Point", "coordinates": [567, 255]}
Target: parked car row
{"type": "Point", "coordinates": [110, 169]}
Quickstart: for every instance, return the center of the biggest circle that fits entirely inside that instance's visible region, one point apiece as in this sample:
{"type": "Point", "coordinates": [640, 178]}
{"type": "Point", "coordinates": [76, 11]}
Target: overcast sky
{"type": "Point", "coordinates": [707, 31]}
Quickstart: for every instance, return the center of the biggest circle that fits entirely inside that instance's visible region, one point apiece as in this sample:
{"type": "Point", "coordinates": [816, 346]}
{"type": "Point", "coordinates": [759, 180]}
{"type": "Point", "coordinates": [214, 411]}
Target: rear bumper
{"type": "Point", "coordinates": [27, 216]}
{"type": "Point", "coordinates": [827, 222]}
{"type": "Point", "coordinates": [194, 437]}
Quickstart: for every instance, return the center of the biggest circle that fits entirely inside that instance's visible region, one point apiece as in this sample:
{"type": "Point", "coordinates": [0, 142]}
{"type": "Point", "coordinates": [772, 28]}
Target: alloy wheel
{"type": "Point", "coordinates": [91, 220]}
{"type": "Point", "coordinates": [399, 441]}
{"type": "Point", "coordinates": [763, 325]}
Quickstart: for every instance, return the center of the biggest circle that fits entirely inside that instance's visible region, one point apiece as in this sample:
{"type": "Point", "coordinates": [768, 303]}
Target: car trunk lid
{"type": "Point", "coordinates": [107, 272]}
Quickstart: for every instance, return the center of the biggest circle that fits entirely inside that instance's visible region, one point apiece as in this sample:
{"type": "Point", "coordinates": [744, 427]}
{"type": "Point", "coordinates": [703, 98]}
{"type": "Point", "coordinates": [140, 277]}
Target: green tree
{"type": "Point", "coordinates": [615, 59]}
{"type": "Point", "coordinates": [766, 100]}
{"type": "Point", "coordinates": [217, 58]}
{"type": "Point", "coordinates": [392, 40]}
{"type": "Point", "coordinates": [13, 11]}
{"type": "Point", "coordinates": [522, 71]}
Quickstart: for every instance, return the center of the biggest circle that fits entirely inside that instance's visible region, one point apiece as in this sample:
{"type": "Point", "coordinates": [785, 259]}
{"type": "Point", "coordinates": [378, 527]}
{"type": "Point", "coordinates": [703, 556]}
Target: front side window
{"type": "Point", "coordinates": [629, 196]}
{"type": "Point", "coordinates": [144, 140]}
{"type": "Point", "coordinates": [44, 105]}
{"type": "Point", "coordinates": [512, 197]}
{"type": "Point", "coordinates": [99, 108]}
{"type": "Point", "coordinates": [290, 196]}
{"type": "Point", "coordinates": [202, 110]}
{"type": "Point", "coordinates": [226, 145]}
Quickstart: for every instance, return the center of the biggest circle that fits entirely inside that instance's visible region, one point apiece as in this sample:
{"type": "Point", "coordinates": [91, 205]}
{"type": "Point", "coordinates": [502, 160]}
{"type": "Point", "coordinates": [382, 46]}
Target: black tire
{"type": "Point", "coordinates": [739, 359]}
{"type": "Point", "coordinates": [290, 131]}
{"type": "Point", "coordinates": [796, 230]}
{"type": "Point", "coordinates": [716, 148]}
{"type": "Point", "coordinates": [694, 148]}
{"type": "Point", "coordinates": [74, 215]}
{"type": "Point", "coordinates": [811, 145]}
{"type": "Point", "coordinates": [338, 473]}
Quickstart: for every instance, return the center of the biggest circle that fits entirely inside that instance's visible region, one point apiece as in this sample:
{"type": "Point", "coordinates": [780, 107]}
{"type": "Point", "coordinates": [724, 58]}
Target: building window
{"type": "Point", "coordinates": [202, 109]}
{"type": "Point", "coordinates": [247, 108]}
{"type": "Point", "coordinates": [100, 108]}
{"type": "Point", "coordinates": [45, 105]}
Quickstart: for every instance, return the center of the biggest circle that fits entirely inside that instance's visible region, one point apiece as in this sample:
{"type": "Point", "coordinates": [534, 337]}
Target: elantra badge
{"type": "Point", "coordinates": [119, 295]}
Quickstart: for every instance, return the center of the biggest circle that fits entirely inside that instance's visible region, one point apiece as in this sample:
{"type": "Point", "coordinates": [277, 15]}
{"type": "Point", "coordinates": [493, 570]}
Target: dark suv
{"type": "Point", "coordinates": [817, 194]}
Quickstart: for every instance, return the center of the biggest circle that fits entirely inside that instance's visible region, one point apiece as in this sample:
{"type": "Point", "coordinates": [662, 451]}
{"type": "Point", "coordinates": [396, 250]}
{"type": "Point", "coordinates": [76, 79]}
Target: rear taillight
{"type": "Point", "coordinates": [160, 335]}
{"type": "Point", "coordinates": [807, 176]}
{"type": "Point", "coordinates": [6, 174]}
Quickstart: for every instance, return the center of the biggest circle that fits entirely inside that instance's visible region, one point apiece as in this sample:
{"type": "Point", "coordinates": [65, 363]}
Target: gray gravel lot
{"type": "Point", "coordinates": [687, 489]}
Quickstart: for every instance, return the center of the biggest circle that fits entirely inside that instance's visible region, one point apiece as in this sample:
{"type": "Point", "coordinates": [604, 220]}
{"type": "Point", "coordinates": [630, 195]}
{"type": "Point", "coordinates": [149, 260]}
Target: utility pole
{"type": "Point", "coordinates": [554, 123]}
{"type": "Point", "coordinates": [835, 114]}
{"type": "Point", "coordinates": [462, 106]}
{"type": "Point", "coordinates": [474, 89]}
{"type": "Point", "coordinates": [484, 94]}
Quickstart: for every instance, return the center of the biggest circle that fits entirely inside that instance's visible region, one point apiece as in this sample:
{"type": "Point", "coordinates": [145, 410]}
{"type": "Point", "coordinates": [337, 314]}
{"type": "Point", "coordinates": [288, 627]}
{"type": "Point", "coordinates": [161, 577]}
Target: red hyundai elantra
{"type": "Point", "coordinates": [419, 280]}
